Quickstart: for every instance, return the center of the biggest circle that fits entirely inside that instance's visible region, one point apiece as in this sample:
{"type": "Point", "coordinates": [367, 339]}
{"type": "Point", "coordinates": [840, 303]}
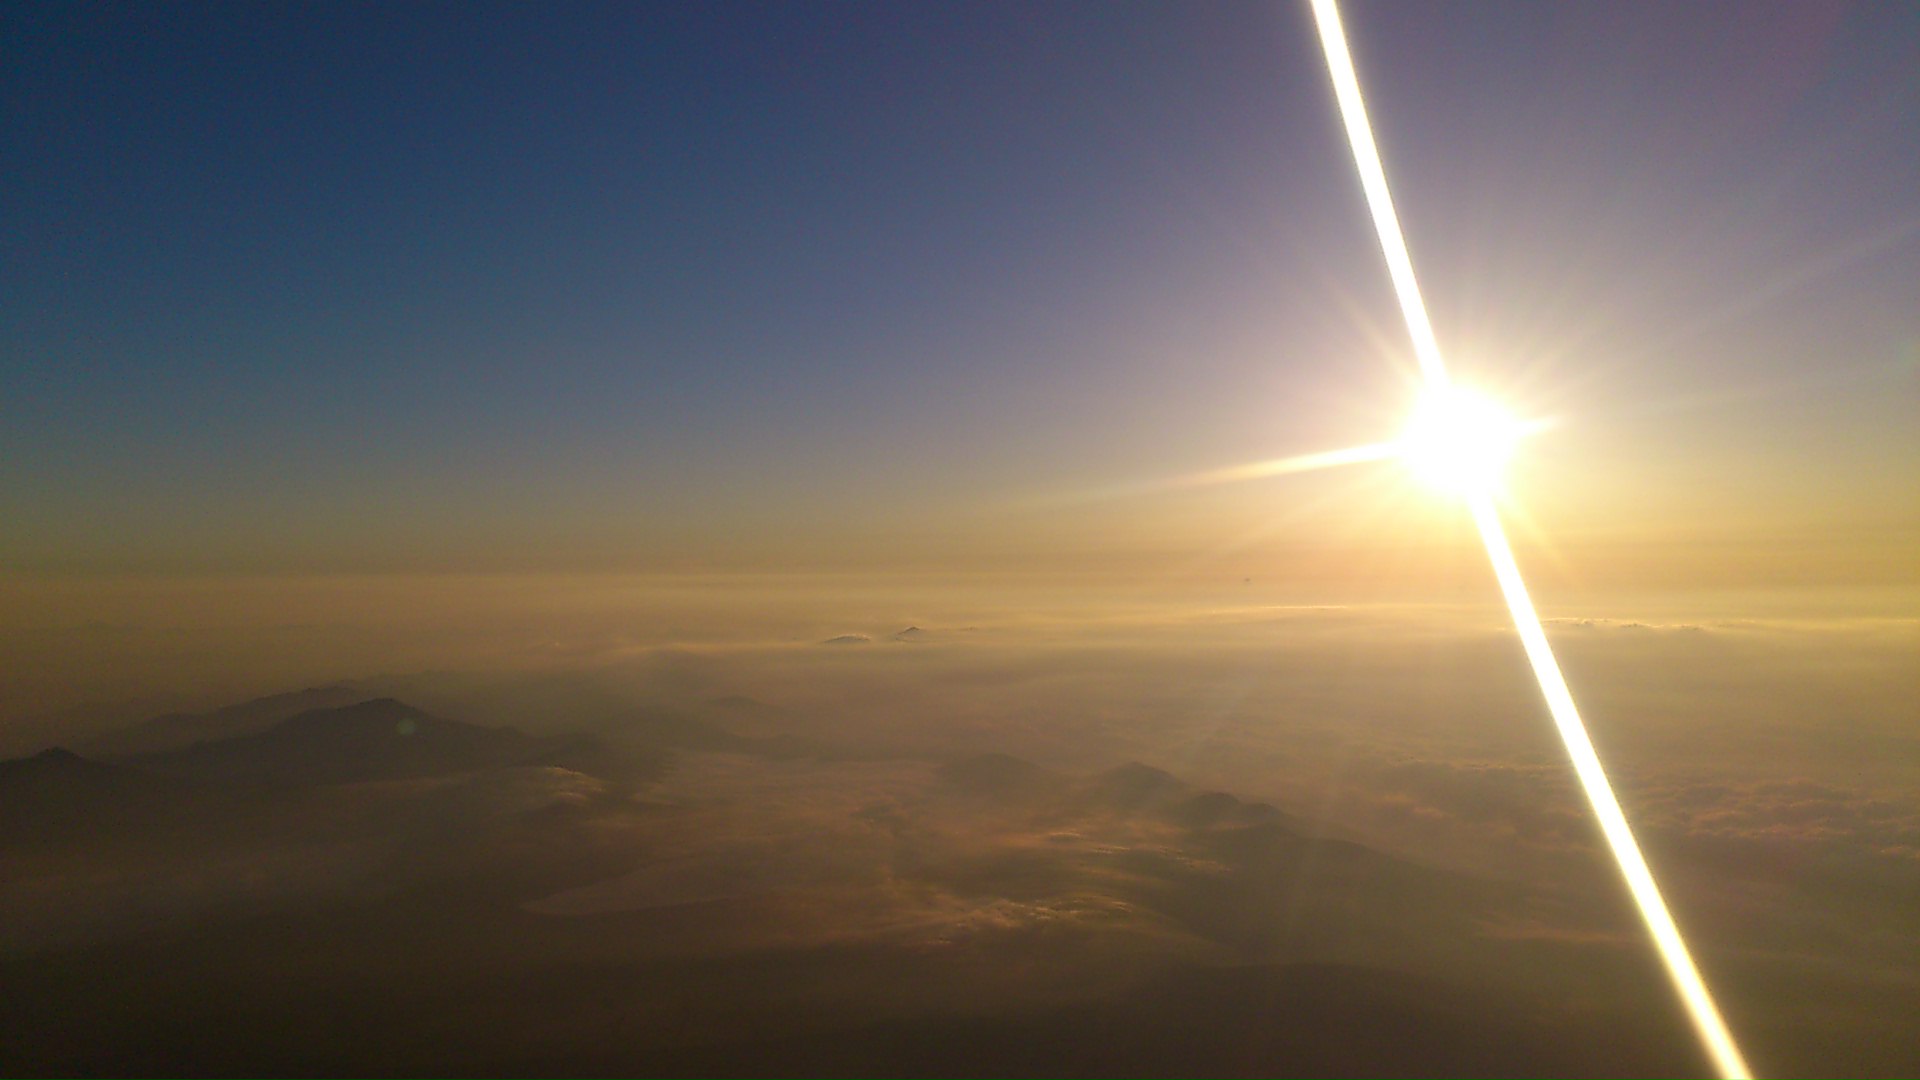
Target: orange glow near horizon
{"type": "Point", "coordinates": [1466, 451]}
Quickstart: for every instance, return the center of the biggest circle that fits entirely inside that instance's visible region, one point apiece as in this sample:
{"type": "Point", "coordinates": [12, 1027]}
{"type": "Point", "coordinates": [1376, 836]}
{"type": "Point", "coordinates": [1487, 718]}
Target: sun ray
{"type": "Point", "coordinates": [1373, 180]}
{"type": "Point", "coordinates": [1686, 978]}
{"type": "Point", "coordinates": [1694, 995]}
{"type": "Point", "coordinates": [1231, 474]}
{"type": "Point", "coordinates": [1298, 463]}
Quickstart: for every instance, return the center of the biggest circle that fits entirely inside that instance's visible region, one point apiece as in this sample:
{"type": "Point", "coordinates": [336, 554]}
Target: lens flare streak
{"type": "Point", "coordinates": [1373, 180]}
{"type": "Point", "coordinates": [1325, 459]}
{"type": "Point", "coordinates": [1698, 1001]}
{"type": "Point", "coordinates": [1593, 780]}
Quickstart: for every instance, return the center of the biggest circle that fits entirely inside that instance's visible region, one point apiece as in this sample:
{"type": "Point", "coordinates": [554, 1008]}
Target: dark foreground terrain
{"type": "Point", "coordinates": [365, 888]}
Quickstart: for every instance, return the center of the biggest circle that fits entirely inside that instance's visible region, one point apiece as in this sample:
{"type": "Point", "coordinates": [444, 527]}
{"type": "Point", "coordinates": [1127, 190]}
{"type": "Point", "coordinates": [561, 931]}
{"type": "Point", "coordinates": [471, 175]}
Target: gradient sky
{"type": "Point", "coordinates": [352, 287]}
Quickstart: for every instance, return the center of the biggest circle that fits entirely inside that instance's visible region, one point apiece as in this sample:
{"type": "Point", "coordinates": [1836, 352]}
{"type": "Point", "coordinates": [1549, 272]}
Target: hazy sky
{"type": "Point", "coordinates": [481, 287]}
{"type": "Point", "coordinates": [797, 398]}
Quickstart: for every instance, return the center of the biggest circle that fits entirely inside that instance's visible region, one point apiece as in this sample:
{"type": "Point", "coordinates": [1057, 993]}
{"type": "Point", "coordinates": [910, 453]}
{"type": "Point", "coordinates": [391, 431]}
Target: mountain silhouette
{"type": "Point", "coordinates": [382, 739]}
{"type": "Point", "coordinates": [58, 797]}
{"type": "Point", "coordinates": [997, 775]}
{"type": "Point", "coordinates": [1134, 786]}
{"type": "Point", "coordinates": [177, 731]}
{"type": "Point", "coordinates": [1217, 808]}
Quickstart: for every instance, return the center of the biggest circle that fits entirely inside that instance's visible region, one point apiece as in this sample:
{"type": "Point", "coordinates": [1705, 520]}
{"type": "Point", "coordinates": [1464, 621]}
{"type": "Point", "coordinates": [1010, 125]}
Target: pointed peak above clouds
{"type": "Point", "coordinates": [379, 739]}
{"type": "Point", "coordinates": [179, 730]}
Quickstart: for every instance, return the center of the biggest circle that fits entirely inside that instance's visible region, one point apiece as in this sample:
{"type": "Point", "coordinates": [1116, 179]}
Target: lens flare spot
{"type": "Point", "coordinates": [1459, 440]}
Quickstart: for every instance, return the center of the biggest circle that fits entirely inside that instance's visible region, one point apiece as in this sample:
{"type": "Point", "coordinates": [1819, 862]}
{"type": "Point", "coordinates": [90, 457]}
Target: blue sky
{"type": "Point", "coordinates": [346, 286]}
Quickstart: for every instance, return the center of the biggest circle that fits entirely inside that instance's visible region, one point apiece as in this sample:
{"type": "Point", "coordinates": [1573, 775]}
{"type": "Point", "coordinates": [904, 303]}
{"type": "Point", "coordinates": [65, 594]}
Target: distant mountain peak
{"type": "Point", "coordinates": [1134, 786]}
{"type": "Point", "coordinates": [1135, 774]}
{"type": "Point", "coordinates": [379, 704]}
{"type": "Point", "coordinates": [53, 761]}
{"type": "Point", "coordinates": [372, 713]}
{"type": "Point", "coordinates": [376, 739]}
{"type": "Point", "coordinates": [179, 730]}
{"type": "Point", "coordinates": [993, 774]}
{"type": "Point", "coordinates": [1217, 808]}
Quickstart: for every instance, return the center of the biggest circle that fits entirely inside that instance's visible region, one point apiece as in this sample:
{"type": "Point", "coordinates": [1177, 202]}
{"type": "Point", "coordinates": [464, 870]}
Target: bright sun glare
{"type": "Point", "coordinates": [1465, 440]}
{"type": "Point", "coordinates": [1459, 440]}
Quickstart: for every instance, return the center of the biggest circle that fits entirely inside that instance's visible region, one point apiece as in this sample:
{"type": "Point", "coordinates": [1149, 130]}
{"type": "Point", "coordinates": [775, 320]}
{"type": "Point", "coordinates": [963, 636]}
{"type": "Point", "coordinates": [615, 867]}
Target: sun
{"type": "Point", "coordinates": [1459, 440]}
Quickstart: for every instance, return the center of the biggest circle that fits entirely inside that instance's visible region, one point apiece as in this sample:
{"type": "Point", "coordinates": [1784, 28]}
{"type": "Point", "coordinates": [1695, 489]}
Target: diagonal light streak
{"type": "Point", "coordinates": [1694, 995]}
{"type": "Point", "coordinates": [1686, 978]}
{"type": "Point", "coordinates": [1231, 474]}
{"type": "Point", "coordinates": [1325, 459]}
{"type": "Point", "coordinates": [1373, 180]}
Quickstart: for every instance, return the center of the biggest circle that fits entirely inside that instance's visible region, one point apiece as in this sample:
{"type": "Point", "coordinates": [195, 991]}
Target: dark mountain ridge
{"type": "Point", "coordinates": [381, 739]}
{"type": "Point", "coordinates": [56, 797]}
{"type": "Point", "coordinates": [179, 730]}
